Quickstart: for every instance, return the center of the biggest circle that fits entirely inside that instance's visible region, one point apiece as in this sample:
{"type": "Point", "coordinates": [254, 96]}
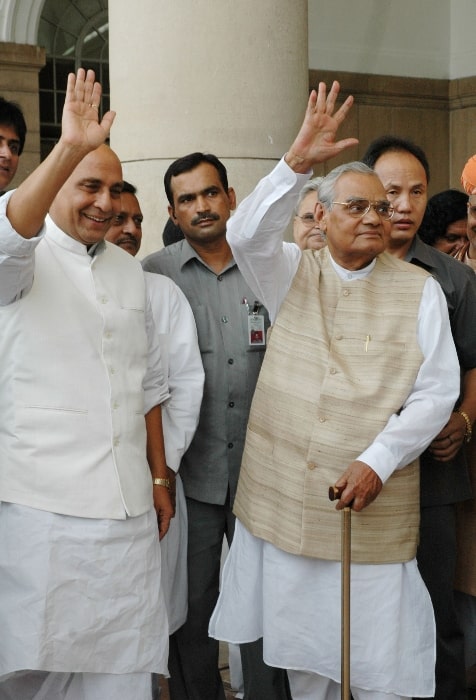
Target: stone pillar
{"type": "Point", "coordinates": [19, 68]}
{"type": "Point", "coordinates": [229, 78]}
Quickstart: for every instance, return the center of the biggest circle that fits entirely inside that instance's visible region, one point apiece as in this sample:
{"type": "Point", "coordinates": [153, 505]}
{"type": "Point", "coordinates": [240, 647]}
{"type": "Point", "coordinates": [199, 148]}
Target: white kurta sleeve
{"type": "Point", "coordinates": [155, 382]}
{"type": "Point", "coordinates": [182, 364]}
{"type": "Point", "coordinates": [433, 396]}
{"type": "Point", "coordinates": [255, 234]}
{"type": "Point", "coordinates": [17, 258]}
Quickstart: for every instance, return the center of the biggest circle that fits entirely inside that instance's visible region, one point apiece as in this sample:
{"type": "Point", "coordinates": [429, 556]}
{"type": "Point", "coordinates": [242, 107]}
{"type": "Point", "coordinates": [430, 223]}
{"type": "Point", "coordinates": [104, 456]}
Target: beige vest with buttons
{"type": "Point", "coordinates": [342, 358]}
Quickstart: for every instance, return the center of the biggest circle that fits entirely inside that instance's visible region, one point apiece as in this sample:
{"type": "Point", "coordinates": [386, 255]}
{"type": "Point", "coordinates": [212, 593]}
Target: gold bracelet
{"type": "Point", "coordinates": [162, 482]}
{"type": "Point", "coordinates": [469, 428]}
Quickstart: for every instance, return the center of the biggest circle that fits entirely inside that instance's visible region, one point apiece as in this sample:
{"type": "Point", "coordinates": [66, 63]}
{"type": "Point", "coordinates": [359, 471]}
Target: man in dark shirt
{"type": "Point", "coordinates": [403, 168]}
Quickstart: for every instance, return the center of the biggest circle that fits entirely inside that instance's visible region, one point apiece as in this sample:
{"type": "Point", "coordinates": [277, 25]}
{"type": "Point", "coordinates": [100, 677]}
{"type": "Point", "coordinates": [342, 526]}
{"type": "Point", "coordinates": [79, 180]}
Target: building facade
{"type": "Point", "coordinates": [233, 78]}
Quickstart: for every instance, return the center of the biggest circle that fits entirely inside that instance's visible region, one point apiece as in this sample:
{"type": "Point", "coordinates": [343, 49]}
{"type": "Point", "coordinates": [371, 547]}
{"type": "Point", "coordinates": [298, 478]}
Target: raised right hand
{"type": "Point", "coordinates": [80, 125]}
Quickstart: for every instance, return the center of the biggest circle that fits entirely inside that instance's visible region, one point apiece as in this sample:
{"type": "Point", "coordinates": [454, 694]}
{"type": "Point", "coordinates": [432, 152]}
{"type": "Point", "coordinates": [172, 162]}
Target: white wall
{"type": "Point", "coordinates": [19, 20]}
{"type": "Point", "coordinates": [410, 38]}
{"type": "Point", "coordinates": [463, 44]}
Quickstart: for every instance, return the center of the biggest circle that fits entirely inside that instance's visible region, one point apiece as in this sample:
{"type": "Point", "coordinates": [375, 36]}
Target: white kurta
{"type": "Point", "coordinates": [78, 593]}
{"type": "Point", "coordinates": [182, 366]}
{"type": "Point", "coordinates": [293, 602]}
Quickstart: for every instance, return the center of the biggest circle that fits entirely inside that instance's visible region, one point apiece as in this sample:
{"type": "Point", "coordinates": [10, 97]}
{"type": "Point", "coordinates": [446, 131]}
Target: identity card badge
{"type": "Point", "coordinates": [256, 334]}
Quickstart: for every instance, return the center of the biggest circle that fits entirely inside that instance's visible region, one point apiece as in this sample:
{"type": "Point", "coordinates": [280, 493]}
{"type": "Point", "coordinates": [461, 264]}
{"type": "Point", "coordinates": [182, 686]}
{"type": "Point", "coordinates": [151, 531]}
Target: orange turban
{"type": "Point", "coordinates": [468, 176]}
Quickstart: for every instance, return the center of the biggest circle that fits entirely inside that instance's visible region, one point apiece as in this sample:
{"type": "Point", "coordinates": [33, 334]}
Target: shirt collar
{"type": "Point", "coordinates": [188, 253]}
{"type": "Point", "coordinates": [352, 274]}
{"type": "Point", "coordinates": [420, 252]}
{"type": "Point", "coordinates": [71, 244]}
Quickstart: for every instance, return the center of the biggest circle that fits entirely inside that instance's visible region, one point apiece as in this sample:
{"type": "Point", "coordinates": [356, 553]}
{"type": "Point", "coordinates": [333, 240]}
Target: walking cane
{"type": "Point", "coordinates": [334, 494]}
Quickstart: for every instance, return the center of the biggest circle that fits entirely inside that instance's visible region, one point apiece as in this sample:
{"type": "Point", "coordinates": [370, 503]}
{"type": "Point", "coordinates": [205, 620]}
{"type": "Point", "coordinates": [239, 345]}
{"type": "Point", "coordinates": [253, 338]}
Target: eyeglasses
{"type": "Point", "coordinates": [357, 208]}
{"type": "Point", "coordinates": [308, 220]}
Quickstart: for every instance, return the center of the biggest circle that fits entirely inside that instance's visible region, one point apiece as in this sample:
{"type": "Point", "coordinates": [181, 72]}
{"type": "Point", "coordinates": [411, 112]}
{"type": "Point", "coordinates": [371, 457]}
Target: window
{"type": "Point", "coordinates": [75, 34]}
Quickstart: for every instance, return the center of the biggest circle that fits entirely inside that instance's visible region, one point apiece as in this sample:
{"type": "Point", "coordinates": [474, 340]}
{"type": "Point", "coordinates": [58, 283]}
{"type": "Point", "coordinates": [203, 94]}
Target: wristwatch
{"type": "Point", "coordinates": [162, 482]}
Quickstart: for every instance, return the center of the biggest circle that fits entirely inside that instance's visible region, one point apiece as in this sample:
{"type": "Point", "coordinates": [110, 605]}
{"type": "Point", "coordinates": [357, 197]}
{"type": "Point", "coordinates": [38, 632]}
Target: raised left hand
{"type": "Point", "coordinates": [315, 142]}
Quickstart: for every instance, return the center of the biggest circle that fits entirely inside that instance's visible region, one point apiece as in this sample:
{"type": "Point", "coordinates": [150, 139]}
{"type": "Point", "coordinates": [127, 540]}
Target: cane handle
{"type": "Point", "coordinates": [335, 492]}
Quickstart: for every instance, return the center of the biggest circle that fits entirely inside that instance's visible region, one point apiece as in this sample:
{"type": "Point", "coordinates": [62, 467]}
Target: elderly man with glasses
{"type": "Point", "coordinates": [359, 375]}
{"type": "Point", "coordinates": [306, 231]}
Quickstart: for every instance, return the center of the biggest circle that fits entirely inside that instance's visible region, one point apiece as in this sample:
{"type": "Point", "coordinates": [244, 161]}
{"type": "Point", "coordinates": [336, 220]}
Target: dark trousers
{"type": "Point", "coordinates": [193, 656]}
{"type": "Point", "coordinates": [436, 559]}
{"type": "Point", "coordinates": [261, 681]}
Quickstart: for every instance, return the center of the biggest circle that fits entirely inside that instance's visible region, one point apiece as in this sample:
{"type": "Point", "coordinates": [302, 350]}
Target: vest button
{"type": "Point", "coordinates": [339, 336]}
{"type": "Point", "coordinates": [311, 465]}
{"type": "Point", "coordinates": [346, 292]}
{"type": "Point", "coordinates": [322, 419]}
{"type": "Point", "coordinates": [332, 370]}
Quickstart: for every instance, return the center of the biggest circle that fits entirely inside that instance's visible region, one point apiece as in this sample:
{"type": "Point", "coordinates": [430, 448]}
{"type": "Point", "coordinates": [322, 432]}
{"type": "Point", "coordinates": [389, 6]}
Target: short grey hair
{"type": "Point", "coordinates": [310, 186]}
{"type": "Point", "coordinates": [326, 192]}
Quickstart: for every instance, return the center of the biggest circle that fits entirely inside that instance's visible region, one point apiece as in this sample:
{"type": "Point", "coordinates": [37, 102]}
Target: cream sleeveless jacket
{"type": "Point", "coordinates": [342, 358]}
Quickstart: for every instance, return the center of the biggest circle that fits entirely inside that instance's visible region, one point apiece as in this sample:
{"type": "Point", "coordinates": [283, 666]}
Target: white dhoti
{"type": "Point", "coordinates": [174, 562]}
{"type": "Point", "coordinates": [80, 595]}
{"type": "Point", "coordinates": [294, 603]}
{"type": "Point", "coordinates": [41, 685]}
